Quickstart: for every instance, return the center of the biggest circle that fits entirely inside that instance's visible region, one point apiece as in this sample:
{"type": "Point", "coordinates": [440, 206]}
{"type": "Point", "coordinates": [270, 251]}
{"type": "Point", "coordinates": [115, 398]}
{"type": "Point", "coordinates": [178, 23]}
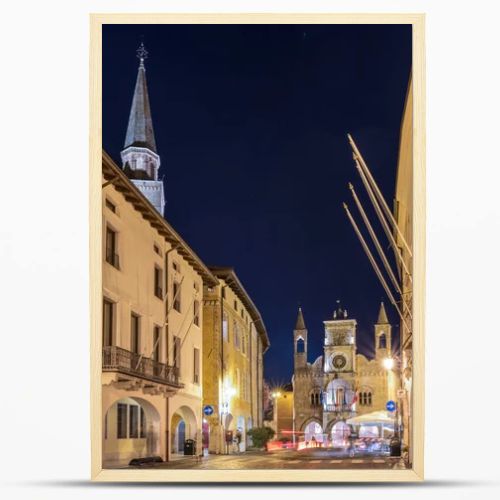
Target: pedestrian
{"type": "Point", "coordinates": [237, 439]}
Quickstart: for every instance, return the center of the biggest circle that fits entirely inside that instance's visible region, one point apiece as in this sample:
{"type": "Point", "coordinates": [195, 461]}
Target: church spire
{"type": "Point", "coordinates": [300, 324]}
{"type": "Point", "coordinates": [139, 157]}
{"type": "Point", "coordinates": [140, 125]}
{"type": "Point", "coordinates": [382, 316]}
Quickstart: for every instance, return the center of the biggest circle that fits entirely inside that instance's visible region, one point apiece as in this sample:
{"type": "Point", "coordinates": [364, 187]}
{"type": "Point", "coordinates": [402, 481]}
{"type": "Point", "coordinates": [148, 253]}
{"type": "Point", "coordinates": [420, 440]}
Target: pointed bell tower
{"type": "Point", "coordinates": [140, 161]}
{"type": "Point", "coordinates": [383, 335]}
{"type": "Point", "coordinates": [300, 341]}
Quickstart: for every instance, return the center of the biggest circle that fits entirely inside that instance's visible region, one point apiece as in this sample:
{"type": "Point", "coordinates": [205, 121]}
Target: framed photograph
{"type": "Point", "coordinates": [257, 247]}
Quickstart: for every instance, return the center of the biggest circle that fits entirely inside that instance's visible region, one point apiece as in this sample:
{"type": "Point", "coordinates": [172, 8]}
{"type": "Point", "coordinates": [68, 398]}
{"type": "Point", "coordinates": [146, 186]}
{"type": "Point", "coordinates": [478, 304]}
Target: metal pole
{"type": "Point", "coordinates": [377, 245]}
{"type": "Point", "coordinates": [382, 218]}
{"type": "Point", "coordinates": [374, 264]}
{"type": "Point", "coordinates": [379, 194]}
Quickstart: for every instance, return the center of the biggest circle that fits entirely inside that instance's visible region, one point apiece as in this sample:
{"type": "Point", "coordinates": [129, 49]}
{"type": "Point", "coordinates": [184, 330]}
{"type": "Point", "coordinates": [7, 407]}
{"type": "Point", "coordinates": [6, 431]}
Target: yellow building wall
{"type": "Point", "coordinates": [236, 380]}
{"type": "Point", "coordinates": [285, 414]}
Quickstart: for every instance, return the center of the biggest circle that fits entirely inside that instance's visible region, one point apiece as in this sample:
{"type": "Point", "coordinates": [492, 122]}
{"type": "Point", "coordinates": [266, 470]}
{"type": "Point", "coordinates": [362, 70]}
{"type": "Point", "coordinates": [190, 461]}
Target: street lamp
{"type": "Point", "coordinates": [388, 363]}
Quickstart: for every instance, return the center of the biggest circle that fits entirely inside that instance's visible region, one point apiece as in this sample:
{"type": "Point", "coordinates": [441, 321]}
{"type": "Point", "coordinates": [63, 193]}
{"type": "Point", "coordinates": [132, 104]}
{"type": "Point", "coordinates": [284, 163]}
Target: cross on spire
{"type": "Point", "coordinates": [142, 54]}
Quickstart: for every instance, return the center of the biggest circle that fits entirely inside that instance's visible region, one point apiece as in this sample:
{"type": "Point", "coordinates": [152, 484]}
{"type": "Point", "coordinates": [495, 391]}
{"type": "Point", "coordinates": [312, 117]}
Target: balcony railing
{"type": "Point", "coordinates": [117, 359]}
{"type": "Point", "coordinates": [337, 408]}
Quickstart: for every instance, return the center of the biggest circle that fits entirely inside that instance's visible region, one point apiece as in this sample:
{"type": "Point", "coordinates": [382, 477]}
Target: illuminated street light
{"type": "Point", "coordinates": [388, 363]}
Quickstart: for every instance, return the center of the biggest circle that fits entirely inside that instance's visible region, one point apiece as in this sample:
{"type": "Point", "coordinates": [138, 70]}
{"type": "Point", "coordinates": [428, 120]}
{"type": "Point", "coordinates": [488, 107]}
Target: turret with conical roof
{"type": "Point", "coordinates": [382, 316]}
{"type": "Point", "coordinates": [139, 157]}
{"type": "Point", "coordinates": [299, 324]}
{"type": "Point", "coordinates": [300, 341]}
{"type": "Point", "coordinates": [383, 335]}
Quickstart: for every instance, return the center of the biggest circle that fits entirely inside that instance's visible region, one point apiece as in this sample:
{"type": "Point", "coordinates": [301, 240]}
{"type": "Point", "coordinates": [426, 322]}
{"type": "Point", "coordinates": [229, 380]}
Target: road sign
{"type": "Point", "coordinates": [208, 410]}
{"type": "Point", "coordinates": [390, 405]}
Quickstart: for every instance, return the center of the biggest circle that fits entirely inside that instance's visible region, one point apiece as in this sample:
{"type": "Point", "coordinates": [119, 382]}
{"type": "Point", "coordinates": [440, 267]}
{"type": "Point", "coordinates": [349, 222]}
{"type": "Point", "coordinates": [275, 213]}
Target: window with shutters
{"type": "Point", "coordinates": [143, 424]}
{"type": "Point", "coordinates": [196, 365]}
{"type": "Point", "coordinates": [177, 296]}
{"type": "Point", "coordinates": [121, 424]}
{"type": "Point", "coordinates": [135, 333]}
{"type": "Point", "coordinates": [111, 248]}
{"type": "Point", "coordinates": [133, 431]}
{"type": "Point", "coordinates": [108, 310]}
{"type": "Point", "coordinates": [196, 312]}
{"type": "Point", "coordinates": [156, 343]}
{"type": "Point", "coordinates": [177, 353]}
{"type": "Point", "coordinates": [158, 282]}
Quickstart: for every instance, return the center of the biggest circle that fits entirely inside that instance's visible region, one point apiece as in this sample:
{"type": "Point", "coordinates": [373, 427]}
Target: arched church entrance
{"type": "Point", "coordinates": [131, 430]}
{"type": "Point", "coordinates": [313, 434]}
{"type": "Point", "coordinates": [340, 435]}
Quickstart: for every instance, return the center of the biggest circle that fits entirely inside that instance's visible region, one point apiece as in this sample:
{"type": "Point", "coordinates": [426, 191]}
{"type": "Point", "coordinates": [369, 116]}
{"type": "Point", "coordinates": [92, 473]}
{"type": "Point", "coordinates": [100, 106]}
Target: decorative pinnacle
{"type": "Point", "coordinates": [142, 53]}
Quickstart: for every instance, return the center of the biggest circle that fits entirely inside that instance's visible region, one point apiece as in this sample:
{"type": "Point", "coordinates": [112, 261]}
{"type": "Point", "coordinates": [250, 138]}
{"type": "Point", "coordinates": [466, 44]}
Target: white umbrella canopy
{"type": "Point", "coordinates": [375, 417]}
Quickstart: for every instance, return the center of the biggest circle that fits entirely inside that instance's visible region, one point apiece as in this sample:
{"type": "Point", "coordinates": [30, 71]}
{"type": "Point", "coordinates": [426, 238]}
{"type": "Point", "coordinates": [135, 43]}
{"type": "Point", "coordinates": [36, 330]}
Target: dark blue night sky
{"type": "Point", "coordinates": [250, 123]}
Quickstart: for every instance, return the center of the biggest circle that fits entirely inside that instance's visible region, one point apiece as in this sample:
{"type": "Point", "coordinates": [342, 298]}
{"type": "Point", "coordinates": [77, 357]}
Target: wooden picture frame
{"type": "Point", "coordinates": [280, 475]}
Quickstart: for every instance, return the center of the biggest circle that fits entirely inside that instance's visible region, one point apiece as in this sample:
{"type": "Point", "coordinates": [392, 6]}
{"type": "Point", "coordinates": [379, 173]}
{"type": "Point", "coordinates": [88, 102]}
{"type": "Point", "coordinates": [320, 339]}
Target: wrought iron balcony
{"type": "Point", "coordinates": [120, 360]}
{"type": "Point", "coordinates": [337, 408]}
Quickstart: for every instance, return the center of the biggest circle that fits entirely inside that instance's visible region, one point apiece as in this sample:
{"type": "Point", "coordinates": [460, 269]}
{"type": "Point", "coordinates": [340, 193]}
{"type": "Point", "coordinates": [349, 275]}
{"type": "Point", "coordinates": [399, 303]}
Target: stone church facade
{"type": "Point", "coordinates": [341, 383]}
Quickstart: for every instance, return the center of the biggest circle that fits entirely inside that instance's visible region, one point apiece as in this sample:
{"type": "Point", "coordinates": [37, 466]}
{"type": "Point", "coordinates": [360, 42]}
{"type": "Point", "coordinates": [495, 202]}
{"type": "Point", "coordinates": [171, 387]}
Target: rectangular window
{"type": "Point", "coordinates": [143, 424]}
{"type": "Point", "coordinates": [158, 280]}
{"type": "Point", "coordinates": [196, 365]}
{"type": "Point", "coordinates": [156, 249]}
{"type": "Point", "coordinates": [133, 431]}
{"type": "Point", "coordinates": [135, 333]}
{"type": "Point", "coordinates": [177, 296]}
{"type": "Point", "coordinates": [111, 248]}
{"type": "Point", "coordinates": [177, 352]}
{"type": "Point", "coordinates": [236, 335]}
{"type": "Point", "coordinates": [156, 343]}
{"type": "Point", "coordinates": [236, 306]}
{"type": "Point", "coordinates": [121, 423]}
{"type": "Point", "coordinates": [175, 266]}
{"type": "Point", "coordinates": [107, 323]}
{"type": "Point", "coordinates": [223, 292]}
{"type": "Point", "coordinates": [196, 312]}
{"type": "Point", "coordinates": [106, 426]}
{"type": "Point", "coordinates": [225, 328]}
{"type": "Point", "coordinates": [110, 205]}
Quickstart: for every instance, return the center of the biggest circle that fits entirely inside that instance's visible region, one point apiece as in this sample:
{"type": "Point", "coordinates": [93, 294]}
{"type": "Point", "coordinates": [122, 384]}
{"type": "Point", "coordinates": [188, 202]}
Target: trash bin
{"type": "Point", "coordinates": [189, 447]}
{"type": "Point", "coordinates": [395, 447]}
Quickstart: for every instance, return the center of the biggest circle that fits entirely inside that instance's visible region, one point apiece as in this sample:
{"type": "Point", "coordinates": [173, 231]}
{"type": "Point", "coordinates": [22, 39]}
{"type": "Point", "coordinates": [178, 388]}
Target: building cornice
{"type": "Point", "coordinates": [115, 175]}
{"type": "Point", "coordinates": [229, 276]}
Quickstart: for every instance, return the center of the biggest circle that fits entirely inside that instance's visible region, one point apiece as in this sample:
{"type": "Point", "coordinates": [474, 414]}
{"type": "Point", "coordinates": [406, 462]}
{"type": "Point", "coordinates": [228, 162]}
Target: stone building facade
{"type": "Point", "coordinates": [234, 342]}
{"type": "Point", "coordinates": [403, 213]}
{"type": "Point", "coordinates": [341, 383]}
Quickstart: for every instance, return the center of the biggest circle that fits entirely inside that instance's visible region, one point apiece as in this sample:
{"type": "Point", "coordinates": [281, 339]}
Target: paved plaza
{"type": "Point", "coordinates": [286, 459]}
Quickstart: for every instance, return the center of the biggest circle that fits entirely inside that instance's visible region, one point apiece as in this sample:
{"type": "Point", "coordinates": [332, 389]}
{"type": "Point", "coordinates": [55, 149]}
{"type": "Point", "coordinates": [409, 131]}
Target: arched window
{"type": "Point", "coordinates": [364, 399]}
{"type": "Point", "coordinates": [312, 399]}
{"type": "Point", "coordinates": [382, 341]}
{"type": "Point", "coordinates": [300, 345]}
{"type": "Point", "coordinates": [369, 399]}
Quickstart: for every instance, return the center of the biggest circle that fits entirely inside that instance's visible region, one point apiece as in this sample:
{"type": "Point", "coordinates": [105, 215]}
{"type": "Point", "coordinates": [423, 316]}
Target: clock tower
{"type": "Point", "coordinates": [340, 343]}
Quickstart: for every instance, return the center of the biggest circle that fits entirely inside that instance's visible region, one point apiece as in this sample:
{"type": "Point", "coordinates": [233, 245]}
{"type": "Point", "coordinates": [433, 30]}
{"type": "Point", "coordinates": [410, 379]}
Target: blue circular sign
{"type": "Point", "coordinates": [390, 405]}
{"type": "Point", "coordinates": [208, 410]}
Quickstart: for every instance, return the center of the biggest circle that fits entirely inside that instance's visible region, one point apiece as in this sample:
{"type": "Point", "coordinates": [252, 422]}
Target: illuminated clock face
{"type": "Point", "coordinates": [339, 361]}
